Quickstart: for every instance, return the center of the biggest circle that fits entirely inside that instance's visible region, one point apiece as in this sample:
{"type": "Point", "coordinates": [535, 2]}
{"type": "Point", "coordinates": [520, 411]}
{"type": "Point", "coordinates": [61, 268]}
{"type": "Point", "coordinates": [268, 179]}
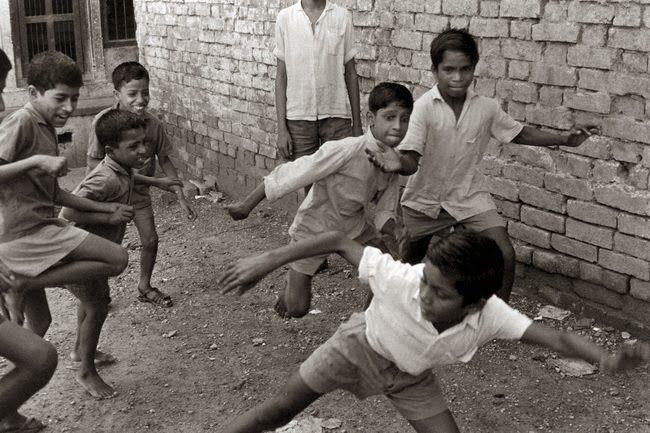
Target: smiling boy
{"type": "Point", "coordinates": [344, 185]}
{"type": "Point", "coordinates": [421, 316]}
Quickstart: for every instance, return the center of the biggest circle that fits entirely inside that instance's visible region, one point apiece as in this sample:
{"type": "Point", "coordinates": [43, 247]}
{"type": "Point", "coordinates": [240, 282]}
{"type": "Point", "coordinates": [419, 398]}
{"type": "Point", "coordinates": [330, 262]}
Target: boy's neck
{"type": "Point", "coordinates": [313, 4]}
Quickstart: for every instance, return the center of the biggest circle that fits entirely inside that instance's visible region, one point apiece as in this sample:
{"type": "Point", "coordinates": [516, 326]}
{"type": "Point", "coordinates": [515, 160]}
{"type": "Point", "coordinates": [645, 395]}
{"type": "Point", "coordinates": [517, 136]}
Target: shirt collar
{"type": "Point", "coordinates": [116, 167]}
{"type": "Point", "coordinates": [371, 142]}
{"type": "Point", "coordinates": [37, 115]}
{"type": "Point", "coordinates": [435, 93]}
{"type": "Point", "coordinates": [328, 6]}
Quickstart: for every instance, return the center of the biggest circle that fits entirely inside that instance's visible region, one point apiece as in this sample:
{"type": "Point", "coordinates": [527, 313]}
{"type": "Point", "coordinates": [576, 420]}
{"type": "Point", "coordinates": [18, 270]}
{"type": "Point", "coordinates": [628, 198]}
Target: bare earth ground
{"type": "Point", "coordinates": [193, 367]}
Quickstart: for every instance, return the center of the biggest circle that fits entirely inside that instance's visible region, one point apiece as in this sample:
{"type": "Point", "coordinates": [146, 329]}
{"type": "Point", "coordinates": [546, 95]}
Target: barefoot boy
{"type": "Point", "coordinates": [449, 130]}
{"type": "Point", "coordinates": [131, 82]}
{"type": "Point", "coordinates": [434, 313]}
{"type": "Point", "coordinates": [33, 358]}
{"type": "Point", "coordinates": [344, 185]}
{"type": "Point", "coordinates": [122, 134]}
{"type": "Point", "coordinates": [40, 249]}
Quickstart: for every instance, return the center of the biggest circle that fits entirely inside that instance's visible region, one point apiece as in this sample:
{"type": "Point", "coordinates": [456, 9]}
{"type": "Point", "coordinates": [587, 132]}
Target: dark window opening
{"type": "Point", "coordinates": [65, 137]}
{"type": "Point", "coordinates": [118, 22]}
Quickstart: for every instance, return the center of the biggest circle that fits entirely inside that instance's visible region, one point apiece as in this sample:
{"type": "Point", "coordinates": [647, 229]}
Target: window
{"type": "Point", "coordinates": [47, 25]}
{"type": "Point", "coordinates": [118, 21]}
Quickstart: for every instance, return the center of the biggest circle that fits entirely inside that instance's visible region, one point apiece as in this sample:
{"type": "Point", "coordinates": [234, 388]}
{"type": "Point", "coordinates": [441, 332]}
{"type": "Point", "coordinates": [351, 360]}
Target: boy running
{"type": "Point", "coordinates": [421, 316]}
{"type": "Point", "coordinates": [131, 82]}
{"type": "Point", "coordinates": [344, 185]}
{"type": "Point", "coordinates": [448, 135]}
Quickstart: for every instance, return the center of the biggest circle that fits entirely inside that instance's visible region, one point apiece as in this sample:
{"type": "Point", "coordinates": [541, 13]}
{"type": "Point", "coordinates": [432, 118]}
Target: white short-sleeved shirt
{"type": "Point", "coordinates": [397, 331]}
{"type": "Point", "coordinates": [449, 175]}
{"type": "Point", "coordinates": [315, 61]}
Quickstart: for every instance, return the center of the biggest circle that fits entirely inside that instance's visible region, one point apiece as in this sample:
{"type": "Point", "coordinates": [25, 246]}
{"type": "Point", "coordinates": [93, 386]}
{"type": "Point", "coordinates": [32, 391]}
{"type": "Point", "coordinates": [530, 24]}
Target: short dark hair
{"type": "Point", "coordinates": [473, 261]}
{"type": "Point", "coordinates": [49, 68]}
{"type": "Point", "coordinates": [453, 40]}
{"type": "Point", "coordinates": [113, 123]}
{"type": "Point", "coordinates": [127, 71]}
{"type": "Point", "coordinates": [385, 93]}
{"type": "Point", "coordinates": [5, 64]}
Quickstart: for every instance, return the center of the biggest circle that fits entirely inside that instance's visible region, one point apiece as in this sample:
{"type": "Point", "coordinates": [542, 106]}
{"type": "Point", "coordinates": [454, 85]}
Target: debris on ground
{"type": "Point", "coordinates": [572, 367]}
{"type": "Point", "coordinates": [310, 424]}
{"type": "Point", "coordinates": [552, 312]}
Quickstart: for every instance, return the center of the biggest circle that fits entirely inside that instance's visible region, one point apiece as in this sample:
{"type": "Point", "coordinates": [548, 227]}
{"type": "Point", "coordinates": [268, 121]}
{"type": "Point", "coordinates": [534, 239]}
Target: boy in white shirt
{"type": "Point", "coordinates": [433, 313]}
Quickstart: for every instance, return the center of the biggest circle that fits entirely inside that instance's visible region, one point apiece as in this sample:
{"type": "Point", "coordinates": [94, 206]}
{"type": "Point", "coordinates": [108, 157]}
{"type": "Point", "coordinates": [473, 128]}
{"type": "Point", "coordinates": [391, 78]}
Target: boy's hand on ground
{"type": "Point", "coordinates": [56, 166]}
{"type": "Point", "coordinates": [122, 214]}
{"type": "Point", "coordinates": [168, 184]}
{"type": "Point", "coordinates": [188, 209]}
{"type": "Point", "coordinates": [244, 274]}
{"type": "Point", "coordinates": [285, 144]}
{"type": "Point", "coordinates": [387, 159]}
{"type": "Point", "coordinates": [628, 357]}
{"type": "Point", "coordinates": [237, 211]}
{"type": "Point", "coordinates": [580, 133]}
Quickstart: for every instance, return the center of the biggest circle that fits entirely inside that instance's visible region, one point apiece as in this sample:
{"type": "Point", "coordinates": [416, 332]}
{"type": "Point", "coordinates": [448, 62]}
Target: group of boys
{"type": "Point", "coordinates": [421, 315]}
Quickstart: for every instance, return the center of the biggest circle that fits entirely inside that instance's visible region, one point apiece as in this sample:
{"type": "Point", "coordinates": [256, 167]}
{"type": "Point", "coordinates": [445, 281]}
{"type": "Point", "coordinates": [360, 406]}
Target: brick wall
{"type": "Point", "coordinates": [579, 217]}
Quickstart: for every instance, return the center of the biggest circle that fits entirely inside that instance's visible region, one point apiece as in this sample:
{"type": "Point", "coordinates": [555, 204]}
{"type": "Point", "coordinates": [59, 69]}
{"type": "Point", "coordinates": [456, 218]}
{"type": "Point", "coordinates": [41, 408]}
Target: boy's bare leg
{"type": "Point", "coordinates": [414, 251]}
{"type": "Point", "coordinates": [146, 226]}
{"type": "Point", "coordinates": [292, 399]}
{"type": "Point", "coordinates": [441, 423]}
{"type": "Point", "coordinates": [295, 300]}
{"type": "Point", "coordinates": [241, 209]}
{"type": "Point", "coordinates": [101, 358]}
{"type": "Point", "coordinates": [34, 360]}
{"type": "Point", "coordinates": [93, 310]}
{"type": "Point", "coordinates": [500, 236]}
{"type": "Point", "coordinates": [37, 312]}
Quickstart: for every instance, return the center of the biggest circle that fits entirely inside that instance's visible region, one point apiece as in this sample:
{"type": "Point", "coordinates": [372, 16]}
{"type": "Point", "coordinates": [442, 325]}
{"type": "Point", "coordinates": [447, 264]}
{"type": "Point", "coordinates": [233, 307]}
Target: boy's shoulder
{"type": "Point", "coordinates": [25, 115]}
{"type": "Point", "coordinates": [101, 113]}
{"type": "Point", "coordinates": [348, 146]}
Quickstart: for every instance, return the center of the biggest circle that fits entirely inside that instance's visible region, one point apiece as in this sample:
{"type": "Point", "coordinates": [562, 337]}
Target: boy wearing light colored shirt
{"type": "Point", "coordinates": [449, 131]}
{"type": "Point", "coordinates": [316, 77]}
{"type": "Point", "coordinates": [438, 312]}
{"type": "Point", "coordinates": [345, 184]}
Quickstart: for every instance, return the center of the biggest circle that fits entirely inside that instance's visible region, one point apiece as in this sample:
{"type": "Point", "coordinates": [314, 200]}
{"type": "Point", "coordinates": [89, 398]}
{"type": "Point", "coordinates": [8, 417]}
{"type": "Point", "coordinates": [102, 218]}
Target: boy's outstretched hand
{"type": "Point", "coordinates": [56, 166]}
{"type": "Point", "coordinates": [387, 159]}
{"type": "Point", "coordinates": [167, 183]}
{"type": "Point", "coordinates": [628, 357]}
{"type": "Point", "coordinates": [244, 274]}
{"type": "Point", "coordinates": [187, 208]}
{"type": "Point", "coordinates": [121, 213]}
{"type": "Point", "coordinates": [579, 134]}
{"type": "Point", "coordinates": [237, 211]}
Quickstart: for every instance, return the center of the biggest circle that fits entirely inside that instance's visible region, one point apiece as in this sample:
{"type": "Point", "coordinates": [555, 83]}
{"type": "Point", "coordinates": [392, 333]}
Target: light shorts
{"type": "Point", "coordinates": [38, 251]}
{"type": "Point", "coordinates": [346, 361]}
{"type": "Point", "coordinates": [420, 225]}
{"type": "Point", "coordinates": [308, 135]}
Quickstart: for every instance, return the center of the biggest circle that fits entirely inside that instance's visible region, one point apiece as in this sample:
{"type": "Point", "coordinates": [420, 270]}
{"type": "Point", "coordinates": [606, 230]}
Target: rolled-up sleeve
{"type": "Point", "coordinates": [349, 48]}
{"type": "Point", "coordinates": [416, 135]}
{"type": "Point", "coordinates": [504, 128]}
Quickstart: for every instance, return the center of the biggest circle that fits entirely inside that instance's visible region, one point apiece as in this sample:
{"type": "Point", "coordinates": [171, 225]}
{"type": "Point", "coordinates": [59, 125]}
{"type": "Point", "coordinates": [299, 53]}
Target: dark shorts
{"type": "Point", "coordinates": [308, 135]}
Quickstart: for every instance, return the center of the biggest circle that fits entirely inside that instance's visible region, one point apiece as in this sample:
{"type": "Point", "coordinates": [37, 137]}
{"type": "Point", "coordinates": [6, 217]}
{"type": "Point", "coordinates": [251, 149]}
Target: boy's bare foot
{"type": "Point", "coordinates": [101, 358]}
{"type": "Point", "coordinates": [237, 211]}
{"type": "Point", "coordinates": [95, 385]}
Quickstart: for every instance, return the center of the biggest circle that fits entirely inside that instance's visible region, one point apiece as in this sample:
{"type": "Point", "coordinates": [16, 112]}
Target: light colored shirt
{"type": "Point", "coordinates": [27, 201]}
{"type": "Point", "coordinates": [449, 175]}
{"type": "Point", "coordinates": [315, 60]}
{"type": "Point", "coordinates": [397, 331]}
{"type": "Point", "coordinates": [345, 187]}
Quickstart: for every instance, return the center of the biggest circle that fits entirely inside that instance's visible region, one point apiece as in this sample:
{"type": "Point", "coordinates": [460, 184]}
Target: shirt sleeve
{"type": "Point", "coordinates": [504, 128]}
{"type": "Point", "coordinates": [504, 322]}
{"type": "Point", "coordinates": [387, 203]}
{"type": "Point", "coordinates": [416, 135]}
{"type": "Point", "coordinates": [95, 187]}
{"type": "Point", "coordinates": [384, 274]}
{"type": "Point", "coordinates": [306, 170]}
{"type": "Point", "coordinates": [348, 41]}
{"type": "Point", "coordinates": [163, 146]}
{"type": "Point", "coordinates": [14, 133]}
{"type": "Point", "coordinates": [95, 150]}
{"type": "Point", "coordinates": [278, 51]}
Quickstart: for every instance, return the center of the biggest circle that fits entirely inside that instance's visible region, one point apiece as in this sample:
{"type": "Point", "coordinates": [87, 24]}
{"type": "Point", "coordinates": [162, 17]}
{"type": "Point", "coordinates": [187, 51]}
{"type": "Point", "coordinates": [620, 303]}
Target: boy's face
{"type": "Point", "coordinates": [55, 105]}
{"type": "Point", "coordinates": [133, 96]}
{"type": "Point", "coordinates": [3, 83]}
{"type": "Point", "coordinates": [454, 74]}
{"type": "Point", "coordinates": [131, 150]}
{"type": "Point", "coordinates": [389, 124]}
{"type": "Point", "coordinates": [440, 302]}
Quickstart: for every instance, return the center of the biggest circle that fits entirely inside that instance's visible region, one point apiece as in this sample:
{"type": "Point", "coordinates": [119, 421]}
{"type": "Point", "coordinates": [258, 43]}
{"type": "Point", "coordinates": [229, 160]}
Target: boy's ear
{"type": "Point", "coordinates": [32, 91]}
{"type": "Point", "coordinates": [370, 118]}
{"type": "Point", "coordinates": [108, 150]}
{"type": "Point", "coordinates": [116, 93]}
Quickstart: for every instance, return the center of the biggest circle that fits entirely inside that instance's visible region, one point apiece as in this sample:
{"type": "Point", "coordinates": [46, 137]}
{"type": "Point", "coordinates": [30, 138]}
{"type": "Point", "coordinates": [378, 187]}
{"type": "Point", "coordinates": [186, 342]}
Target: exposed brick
{"type": "Point", "coordinates": [521, 30]}
{"type": "Point", "coordinates": [633, 246]}
{"type": "Point", "coordinates": [551, 96]}
{"type": "Point", "coordinates": [502, 187]}
{"type": "Point", "coordinates": [611, 280]}
{"type": "Point", "coordinates": [634, 225]}
{"type": "Point", "coordinates": [576, 165]}
{"type": "Point", "coordinates": [531, 235]}
{"type": "Point", "coordinates": [619, 197]}
{"type": "Point", "coordinates": [523, 252]}
{"type": "Point", "coordinates": [488, 27]}
{"type": "Point", "coordinates": [518, 70]}
{"type": "Point", "coordinates": [592, 213]}
{"type": "Point", "coordinates": [546, 220]}
{"type": "Point", "coordinates": [507, 208]}
{"type": "Point", "coordinates": [517, 111]}
{"type": "Point", "coordinates": [554, 75]}
{"type": "Point", "coordinates": [521, 8]}
{"type": "Point", "coordinates": [629, 84]}
{"type": "Point", "coordinates": [460, 7]}
{"type": "Point", "coordinates": [521, 50]}
{"type": "Point", "coordinates": [594, 36]}
{"type": "Point", "coordinates": [555, 53]}
{"type": "Point", "coordinates": [627, 15]}
{"type": "Point", "coordinates": [556, 263]}
{"type": "Point", "coordinates": [555, 12]}
{"type": "Point", "coordinates": [593, 79]}
{"type": "Point", "coordinates": [596, 146]}
{"type": "Point", "coordinates": [629, 39]}
{"type": "Point", "coordinates": [489, 9]}
{"type": "Point", "coordinates": [598, 294]}
{"type": "Point", "coordinates": [406, 39]}
{"type": "Point", "coordinates": [635, 62]}
{"type": "Point", "coordinates": [583, 12]}
{"type": "Point", "coordinates": [408, 6]}
{"type": "Point", "coordinates": [574, 248]}
{"type": "Point", "coordinates": [541, 198]}
{"type": "Point", "coordinates": [431, 23]}
{"type": "Point", "coordinates": [558, 32]}
{"type": "Point", "coordinates": [491, 67]}
{"type": "Point", "coordinates": [624, 264]}
{"type": "Point", "coordinates": [589, 233]}
{"type": "Point", "coordinates": [627, 152]}
{"type": "Point", "coordinates": [576, 188]}
{"type": "Point", "coordinates": [555, 117]}
{"type": "Point", "coordinates": [535, 156]}
{"type": "Point", "coordinates": [607, 171]}
{"type": "Point", "coordinates": [516, 90]}
{"type": "Point", "coordinates": [529, 175]}
{"type": "Point", "coordinates": [593, 102]}
{"type": "Point", "coordinates": [640, 289]}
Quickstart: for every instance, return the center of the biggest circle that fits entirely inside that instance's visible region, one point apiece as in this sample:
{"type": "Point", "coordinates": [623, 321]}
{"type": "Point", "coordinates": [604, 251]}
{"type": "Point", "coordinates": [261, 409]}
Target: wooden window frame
{"type": "Point", "coordinates": [117, 42]}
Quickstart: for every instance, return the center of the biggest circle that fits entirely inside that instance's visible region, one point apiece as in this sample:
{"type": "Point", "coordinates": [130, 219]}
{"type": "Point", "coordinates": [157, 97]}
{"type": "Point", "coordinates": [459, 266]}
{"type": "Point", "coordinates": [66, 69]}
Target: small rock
{"type": "Point", "coordinates": [214, 346]}
{"type": "Point", "coordinates": [625, 335]}
{"type": "Point", "coordinates": [331, 423]}
{"type": "Point", "coordinates": [258, 342]}
{"type": "Point", "coordinates": [552, 312]}
{"type": "Point", "coordinates": [170, 334]}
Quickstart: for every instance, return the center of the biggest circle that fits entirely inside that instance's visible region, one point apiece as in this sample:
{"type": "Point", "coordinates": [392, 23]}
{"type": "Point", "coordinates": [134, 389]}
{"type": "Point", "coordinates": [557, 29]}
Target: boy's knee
{"type": "Point", "coordinates": [150, 242]}
{"type": "Point", "coordinates": [39, 325]}
{"type": "Point", "coordinates": [44, 362]}
{"type": "Point", "coordinates": [119, 261]}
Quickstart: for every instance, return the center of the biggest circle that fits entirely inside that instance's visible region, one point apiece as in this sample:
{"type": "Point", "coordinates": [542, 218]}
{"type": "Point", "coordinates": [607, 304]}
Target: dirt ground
{"type": "Point", "coordinates": [193, 367]}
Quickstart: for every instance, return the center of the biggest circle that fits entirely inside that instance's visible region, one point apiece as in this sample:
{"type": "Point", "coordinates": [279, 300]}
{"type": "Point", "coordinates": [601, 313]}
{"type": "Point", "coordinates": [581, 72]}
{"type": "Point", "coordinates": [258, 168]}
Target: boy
{"type": "Point", "coordinates": [131, 82]}
{"type": "Point", "coordinates": [344, 184]}
{"type": "Point", "coordinates": [40, 249]}
{"type": "Point", "coordinates": [434, 313]}
{"type": "Point", "coordinates": [315, 53]}
{"type": "Point", "coordinates": [34, 359]}
{"type": "Point", "coordinates": [450, 129]}
{"type": "Point", "coordinates": [122, 134]}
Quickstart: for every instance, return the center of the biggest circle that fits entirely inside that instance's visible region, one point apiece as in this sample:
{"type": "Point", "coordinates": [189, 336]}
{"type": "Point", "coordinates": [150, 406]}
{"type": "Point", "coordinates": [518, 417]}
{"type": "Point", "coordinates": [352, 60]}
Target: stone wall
{"type": "Point", "coordinates": [579, 217]}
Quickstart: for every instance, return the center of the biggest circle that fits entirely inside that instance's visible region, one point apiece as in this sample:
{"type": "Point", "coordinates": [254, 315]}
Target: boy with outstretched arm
{"type": "Point", "coordinates": [421, 316]}
{"type": "Point", "coordinates": [448, 135]}
{"type": "Point", "coordinates": [39, 248]}
{"type": "Point", "coordinates": [344, 185]}
{"type": "Point", "coordinates": [131, 82]}
{"type": "Point", "coordinates": [33, 358]}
